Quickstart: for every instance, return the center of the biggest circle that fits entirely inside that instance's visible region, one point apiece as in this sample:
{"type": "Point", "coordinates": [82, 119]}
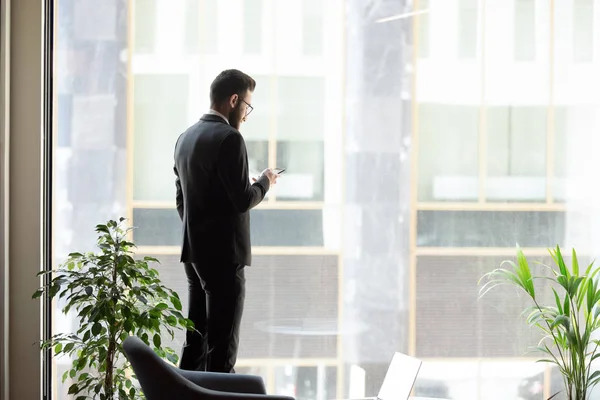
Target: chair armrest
{"type": "Point", "coordinates": [232, 383]}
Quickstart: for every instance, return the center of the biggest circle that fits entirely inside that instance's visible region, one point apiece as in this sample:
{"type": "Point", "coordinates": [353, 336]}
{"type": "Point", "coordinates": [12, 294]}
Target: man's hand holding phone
{"type": "Point", "coordinates": [271, 174]}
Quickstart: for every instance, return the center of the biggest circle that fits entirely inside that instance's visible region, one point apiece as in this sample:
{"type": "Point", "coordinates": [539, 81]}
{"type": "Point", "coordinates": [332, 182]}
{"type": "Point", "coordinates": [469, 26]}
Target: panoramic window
{"type": "Point", "coordinates": [409, 174]}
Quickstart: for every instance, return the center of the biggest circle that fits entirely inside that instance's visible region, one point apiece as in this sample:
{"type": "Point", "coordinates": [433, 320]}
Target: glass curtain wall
{"type": "Point", "coordinates": [422, 140]}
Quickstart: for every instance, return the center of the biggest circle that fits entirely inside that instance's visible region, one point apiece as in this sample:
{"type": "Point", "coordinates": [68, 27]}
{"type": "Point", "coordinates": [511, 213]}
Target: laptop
{"type": "Point", "coordinates": [399, 378]}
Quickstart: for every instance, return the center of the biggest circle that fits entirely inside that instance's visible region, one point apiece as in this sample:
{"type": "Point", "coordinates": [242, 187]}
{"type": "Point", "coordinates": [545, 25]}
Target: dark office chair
{"type": "Point", "coordinates": [160, 381]}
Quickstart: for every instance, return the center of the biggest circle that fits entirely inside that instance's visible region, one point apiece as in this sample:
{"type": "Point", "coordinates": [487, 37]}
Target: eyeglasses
{"type": "Point", "coordinates": [249, 108]}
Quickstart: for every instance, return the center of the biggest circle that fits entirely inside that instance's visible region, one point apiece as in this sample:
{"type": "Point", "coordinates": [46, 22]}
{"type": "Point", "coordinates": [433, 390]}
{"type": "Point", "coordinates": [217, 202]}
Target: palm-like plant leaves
{"type": "Point", "coordinates": [568, 324]}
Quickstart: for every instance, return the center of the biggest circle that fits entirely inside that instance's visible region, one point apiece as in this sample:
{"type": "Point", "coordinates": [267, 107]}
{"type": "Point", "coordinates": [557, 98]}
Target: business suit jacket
{"type": "Point", "coordinates": [214, 194]}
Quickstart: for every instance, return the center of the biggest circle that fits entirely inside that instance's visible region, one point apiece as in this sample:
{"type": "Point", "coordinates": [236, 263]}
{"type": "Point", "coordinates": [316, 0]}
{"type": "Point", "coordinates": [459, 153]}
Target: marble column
{"type": "Point", "coordinates": [377, 145]}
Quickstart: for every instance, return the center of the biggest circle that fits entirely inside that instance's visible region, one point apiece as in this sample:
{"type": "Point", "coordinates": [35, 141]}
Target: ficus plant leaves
{"type": "Point", "coordinates": [112, 295]}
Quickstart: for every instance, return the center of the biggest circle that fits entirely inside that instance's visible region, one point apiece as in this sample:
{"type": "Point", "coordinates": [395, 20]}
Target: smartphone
{"type": "Point", "coordinates": [279, 171]}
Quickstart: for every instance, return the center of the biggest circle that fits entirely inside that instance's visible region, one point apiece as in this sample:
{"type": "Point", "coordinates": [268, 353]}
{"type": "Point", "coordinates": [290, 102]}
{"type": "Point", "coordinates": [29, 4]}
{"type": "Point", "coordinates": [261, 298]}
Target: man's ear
{"type": "Point", "coordinates": [233, 100]}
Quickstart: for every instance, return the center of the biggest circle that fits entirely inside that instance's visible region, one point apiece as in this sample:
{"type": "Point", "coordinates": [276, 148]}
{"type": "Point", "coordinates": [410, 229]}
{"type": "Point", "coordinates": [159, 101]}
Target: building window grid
{"type": "Point", "coordinates": [273, 203]}
{"type": "Point", "coordinates": [483, 204]}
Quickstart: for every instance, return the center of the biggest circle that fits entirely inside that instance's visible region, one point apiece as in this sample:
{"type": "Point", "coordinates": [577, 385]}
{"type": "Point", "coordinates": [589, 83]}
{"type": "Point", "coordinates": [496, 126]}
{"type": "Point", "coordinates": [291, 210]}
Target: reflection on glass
{"type": "Point", "coordinates": [301, 108]}
{"type": "Point", "coordinates": [162, 227]}
{"type": "Point", "coordinates": [493, 325]}
{"type": "Point", "coordinates": [160, 116]}
{"type": "Point", "coordinates": [305, 169]}
{"type": "Point", "coordinates": [525, 30]}
{"type": "Point", "coordinates": [424, 35]}
{"type": "Point", "coordinates": [503, 380]}
{"type": "Point", "coordinates": [90, 146]}
{"type": "Point", "coordinates": [193, 31]}
{"type": "Point", "coordinates": [448, 158]}
{"type": "Point", "coordinates": [467, 24]}
{"type": "Point", "coordinates": [583, 31]}
{"type": "Point", "coordinates": [267, 228]}
{"type": "Point", "coordinates": [536, 229]}
{"type": "Point", "coordinates": [259, 124]}
{"type": "Point", "coordinates": [253, 26]}
{"type": "Point", "coordinates": [574, 125]}
{"type": "Point", "coordinates": [145, 30]}
{"type": "Point", "coordinates": [200, 24]}
{"type": "Point", "coordinates": [258, 156]}
{"type": "Point", "coordinates": [284, 316]}
{"type": "Point", "coordinates": [576, 107]}
{"type": "Point", "coordinates": [453, 380]}
{"type": "Point", "coordinates": [347, 107]}
{"type": "Point", "coordinates": [306, 383]}
{"type": "Point", "coordinates": [253, 370]}
{"type": "Point", "coordinates": [312, 27]}
{"type": "Point", "coordinates": [497, 380]}
{"type": "Point", "coordinates": [516, 169]}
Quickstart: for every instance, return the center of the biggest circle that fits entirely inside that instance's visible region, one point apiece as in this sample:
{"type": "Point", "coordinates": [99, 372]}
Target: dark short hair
{"type": "Point", "coordinates": [228, 83]}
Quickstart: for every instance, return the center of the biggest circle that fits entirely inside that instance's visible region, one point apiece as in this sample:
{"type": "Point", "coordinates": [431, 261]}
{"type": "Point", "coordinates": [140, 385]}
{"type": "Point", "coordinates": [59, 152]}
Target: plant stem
{"type": "Point", "coordinates": [110, 358]}
{"type": "Point", "coordinates": [112, 341]}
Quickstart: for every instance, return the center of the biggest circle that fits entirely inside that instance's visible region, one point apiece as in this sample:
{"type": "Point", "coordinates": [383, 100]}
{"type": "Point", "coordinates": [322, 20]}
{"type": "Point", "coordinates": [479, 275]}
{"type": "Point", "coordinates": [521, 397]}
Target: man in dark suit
{"type": "Point", "coordinates": [214, 197]}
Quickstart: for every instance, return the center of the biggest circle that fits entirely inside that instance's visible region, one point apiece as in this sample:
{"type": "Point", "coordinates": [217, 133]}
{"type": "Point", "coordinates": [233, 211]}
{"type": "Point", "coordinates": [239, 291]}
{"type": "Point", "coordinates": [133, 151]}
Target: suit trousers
{"type": "Point", "coordinates": [216, 303]}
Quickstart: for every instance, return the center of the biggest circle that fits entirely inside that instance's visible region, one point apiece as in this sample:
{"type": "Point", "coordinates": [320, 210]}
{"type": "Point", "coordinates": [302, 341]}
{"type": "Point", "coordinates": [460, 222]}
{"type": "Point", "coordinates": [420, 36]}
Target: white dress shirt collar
{"type": "Point", "coordinates": [215, 112]}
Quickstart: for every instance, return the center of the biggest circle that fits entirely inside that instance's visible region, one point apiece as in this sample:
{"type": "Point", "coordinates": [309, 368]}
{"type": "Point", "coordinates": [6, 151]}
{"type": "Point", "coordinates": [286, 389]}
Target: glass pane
{"type": "Point", "coordinates": [467, 25]}
{"type": "Point", "coordinates": [508, 80]}
{"type": "Point", "coordinates": [574, 125]}
{"type": "Point", "coordinates": [525, 30]}
{"type": "Point", "coordinates": [305, 169]}
{"type": "Point", "coordinates": [200, 26]}
{"type": "Point", "coordinates": [280, 319]}
{"type": "Point", "coordinates": [160, 116]}
{"type": "Point", "coordinates": [490, 228]}
{"type": "Point", "coordinates": [498, 380]}
{"type": "Point", "coordinates": [145, 13]}
{"type": "Point", "coordinates": [431, 387]}
{"type": "Point", "coordinates": [312, 27]}
{"type": "Point", "coordinates": [583, 30]}
{"type": "Point", "coordinates": [156, 227]}
{"type": "Point", "coordinates": [259, 124]}
{"type": "Point", "coordinates": [193, 31]}
{"type": "Point", "coordinates": [209, 15]}
{"type": "Point", "coordinates": [424, 34]}
{"type": "Point", "coordinates": [90, 154]}
{"type": "Point", "coordinates": [448, 163]}
{"type": "Point", "coordinates": [515, 379]}
{"type": "Point", "coordinates": [258, 156]}
{"type": "Point", "coordinates": [453, 380]}
{"type": "Point", "coordinates": [516, 154]}
{"type": "Point", "coordinates": [576, 110]}
{"type": "Point", "coordinates": [284, 316]}
{"type": "Point", "coordinates": [335, 290]}
{"type": "Point", "coordinates": [267, 228]}
{"type": "Point", "coordinates": [253, 370]}
{"type": "Point", "coordinates": [253, 26]}
{"type": "Point", "coordinates": [306, 383]}
{"type": "Point", "coordinates": [162, 227]}
{"type": "Point", "coordinates": [301, 108]}
{"type": "Point", "coordinates": [448, 311]}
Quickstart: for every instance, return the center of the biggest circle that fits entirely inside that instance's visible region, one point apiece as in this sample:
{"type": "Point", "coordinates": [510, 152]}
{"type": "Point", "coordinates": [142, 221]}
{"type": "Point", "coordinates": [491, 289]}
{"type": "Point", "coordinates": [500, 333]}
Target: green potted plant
{"type": "Point", "coordinates": [114, 296]}
{"type": "Point", "coordinates": [567, 322]}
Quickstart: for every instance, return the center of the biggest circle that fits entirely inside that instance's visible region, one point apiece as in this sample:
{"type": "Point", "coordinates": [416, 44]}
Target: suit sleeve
{"type": "Point", "coordinates": [179, 194]}
{"type": "Point", "coordinates": [232, 169]}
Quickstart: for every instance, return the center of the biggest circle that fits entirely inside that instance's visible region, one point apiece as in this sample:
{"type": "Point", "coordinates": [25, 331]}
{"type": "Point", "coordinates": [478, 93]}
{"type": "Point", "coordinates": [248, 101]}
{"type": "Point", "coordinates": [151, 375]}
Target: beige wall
{"type": "Point", "coordinates": [4, 30]}
{"type": "Point", "coordinates": [23, 190]}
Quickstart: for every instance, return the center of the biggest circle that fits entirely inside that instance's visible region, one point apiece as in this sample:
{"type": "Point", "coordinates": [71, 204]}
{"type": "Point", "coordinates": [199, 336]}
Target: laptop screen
{"type": "Point", "coordinates": [400, 378]}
